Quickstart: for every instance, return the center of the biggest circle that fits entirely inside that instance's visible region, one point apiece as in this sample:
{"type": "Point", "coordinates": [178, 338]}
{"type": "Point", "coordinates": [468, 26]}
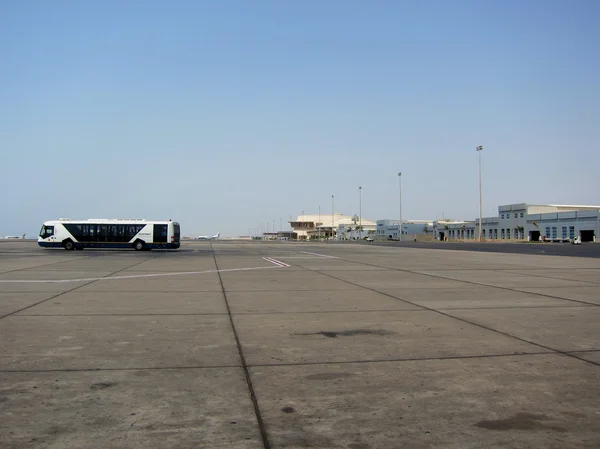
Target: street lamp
{"type": "Point", "coordinates": [359, 212]}
{"type": "Point", "coordinates": [332, 213]}
{"type": "Point", "coordinates": [400, 204]}
{"type": "Point", "coordinates": [479, 149]}
{"type": "Point", "coordinates": [319, 224]}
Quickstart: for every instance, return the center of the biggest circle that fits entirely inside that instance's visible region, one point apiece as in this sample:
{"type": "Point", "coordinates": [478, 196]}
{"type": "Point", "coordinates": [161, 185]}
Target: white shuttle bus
{"type": "Point", "coordinates": [138, 234]}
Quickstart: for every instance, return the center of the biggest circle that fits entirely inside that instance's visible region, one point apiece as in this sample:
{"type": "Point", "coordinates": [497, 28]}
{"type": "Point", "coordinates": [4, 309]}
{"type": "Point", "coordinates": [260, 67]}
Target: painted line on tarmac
{"type": "Point", "coordinates": [279, 263]}
{"type": "Point", "coordinates": [298, 257]}
{"type": "Point", "coordinates": [137, 276]}
{"type": "Point", "coordinates": [319, 255]}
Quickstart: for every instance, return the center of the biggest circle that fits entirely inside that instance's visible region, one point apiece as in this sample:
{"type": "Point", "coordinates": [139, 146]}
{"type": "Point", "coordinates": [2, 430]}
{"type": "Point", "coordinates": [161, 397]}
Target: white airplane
{"type": "Point", "coordinates": [209, 237]}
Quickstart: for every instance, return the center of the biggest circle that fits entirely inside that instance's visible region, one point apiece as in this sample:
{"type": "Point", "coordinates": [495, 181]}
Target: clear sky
{"type": "Point", "coordinates": [223, 114]}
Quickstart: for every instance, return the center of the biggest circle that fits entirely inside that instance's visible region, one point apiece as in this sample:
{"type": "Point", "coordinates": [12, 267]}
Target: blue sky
{"type": "Point", "coordinates": [224, 114]}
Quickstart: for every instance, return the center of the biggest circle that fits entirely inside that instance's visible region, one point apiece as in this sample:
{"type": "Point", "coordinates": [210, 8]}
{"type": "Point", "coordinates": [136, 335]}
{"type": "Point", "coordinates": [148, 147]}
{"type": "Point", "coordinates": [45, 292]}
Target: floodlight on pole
{"type": "Point", "coordinates": [479, 150]}
{"type": "Point", "coordinates": [400, 202]}
{"type": "Point", "coordinates": [359, 212]}
{"type": "Point", "coordinates": [332, 214]}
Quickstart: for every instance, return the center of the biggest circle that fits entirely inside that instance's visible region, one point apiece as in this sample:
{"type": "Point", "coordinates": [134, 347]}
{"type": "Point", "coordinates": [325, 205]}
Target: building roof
{"type": "Point", "coordinates": [444, 222]}
{"type": "Point", "coordinates": [338, 219]}
{"type": "Point", "coordinates": [396, 221]}
{"type": "Point", "coordinates": [519, 206]}
{"type": "Point", "coordinates": [574, 206]}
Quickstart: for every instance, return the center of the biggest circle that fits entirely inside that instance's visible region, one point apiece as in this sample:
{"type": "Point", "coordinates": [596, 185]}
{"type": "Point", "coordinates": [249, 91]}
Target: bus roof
{"type": "Point", "coordinates": [109, 220]}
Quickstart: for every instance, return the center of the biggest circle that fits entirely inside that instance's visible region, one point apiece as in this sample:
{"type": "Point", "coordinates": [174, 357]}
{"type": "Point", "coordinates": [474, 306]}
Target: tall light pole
{"type": "Point", "coordinates": [479, 150]}
{"type": "Point", "coordinates": [332, 213]}
{"type": "Point", "coordinates": [359, 212]}
{"type": "Point", "coordinates": [319, 223]}
{"type": "Point", "coordinates": [400, 204]}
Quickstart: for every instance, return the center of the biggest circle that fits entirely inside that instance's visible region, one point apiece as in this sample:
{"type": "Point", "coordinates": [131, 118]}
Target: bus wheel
{"type": "Point", "coordinates": [68, 244]}
{"type": "Point", "coordinates": [138, 245]}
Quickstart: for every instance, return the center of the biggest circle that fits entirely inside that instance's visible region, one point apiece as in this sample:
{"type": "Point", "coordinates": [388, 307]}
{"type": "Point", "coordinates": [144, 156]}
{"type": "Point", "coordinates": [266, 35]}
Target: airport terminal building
{"type": "Point", "coordinates": [389, 229]}
{"type": "Point", "coordinates": [455, 230]}
{"type": "Point", "coordinates": [528, 222]}
{"type": "Point", "coordinates": [340, 226]}
{"type": "Point", "coordinates": [517, 222]}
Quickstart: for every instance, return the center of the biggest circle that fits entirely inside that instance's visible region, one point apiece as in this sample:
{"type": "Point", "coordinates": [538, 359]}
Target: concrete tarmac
{"type": "Point", "coordinates": [232, 344]}
{"type": "Point", "coordinates": [588, 249]}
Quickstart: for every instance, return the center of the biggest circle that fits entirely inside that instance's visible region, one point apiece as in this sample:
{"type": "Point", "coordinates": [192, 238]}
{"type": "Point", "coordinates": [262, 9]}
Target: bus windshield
{"type": "Point", "coordinates": [46, 231]}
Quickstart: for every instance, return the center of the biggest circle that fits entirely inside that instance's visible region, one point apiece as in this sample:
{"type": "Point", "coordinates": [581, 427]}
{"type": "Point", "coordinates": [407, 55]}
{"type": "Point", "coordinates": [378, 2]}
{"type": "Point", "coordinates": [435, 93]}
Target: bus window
{"type": "Point", "coordinates": [114, 233]}
{"type": "Point", "coordinates": [103, 233]}
{"type": "Point", "coordinates": [92, 235]}
{"type": "Point", "coordinates": [46, 231]}
{"type": "Point", "coordinates": [130, 232]}
{"type": "Point", "coordinates": [75, 230]}
{"type": "Point", "coordinates": [176, 232]}
{"type": "Point", "coordinates": [160, 233]}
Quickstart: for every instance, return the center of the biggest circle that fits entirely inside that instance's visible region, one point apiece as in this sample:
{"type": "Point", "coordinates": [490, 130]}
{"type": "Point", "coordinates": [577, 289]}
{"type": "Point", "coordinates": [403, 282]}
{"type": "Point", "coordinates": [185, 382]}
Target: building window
{"type": "Point", "coordinates": [564, 232]}
{"type": "Point", "coordinates": [516, 233]}
{"type": "Point", "coordinates": [554, 232]}
{"type": "Point", "coordinates": [502, 233]}
{"type": "Point", "coordinates": [548, 232]}
{"type": "Point", "coordinates": [521, 214]}
{"type": "Point", "coordinates": [496, 234]}
{"type": "Point", "coordinates": [502, 216]}
{"type": "Point", "coordinates": [572, 232]}
{"type": "Point", "coordinates": [516, 215]}
{"type": "Point", "coordinates": [522, 234]}
{"type": "Point", "coordinates": [483, 233]}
